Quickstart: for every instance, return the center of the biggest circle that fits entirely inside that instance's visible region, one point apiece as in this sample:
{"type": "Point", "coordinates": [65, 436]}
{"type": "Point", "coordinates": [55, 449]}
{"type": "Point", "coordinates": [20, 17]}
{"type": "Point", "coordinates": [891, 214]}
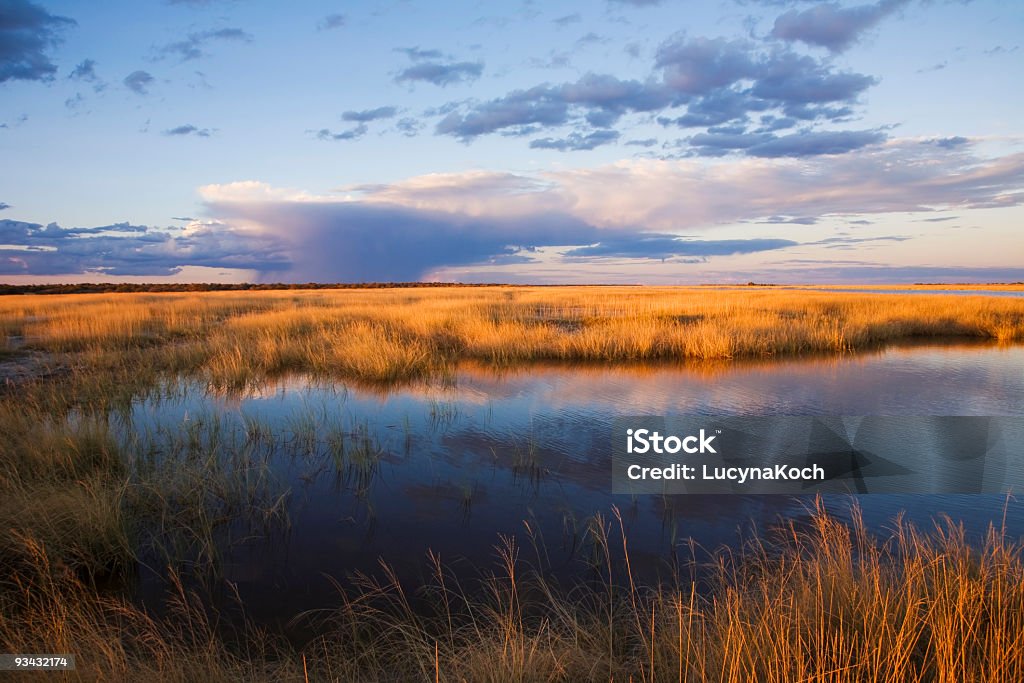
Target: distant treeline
{"type": "Point", "coordinates": [113, 287]}
{"type": "Point", "coordinates": [109, 287]}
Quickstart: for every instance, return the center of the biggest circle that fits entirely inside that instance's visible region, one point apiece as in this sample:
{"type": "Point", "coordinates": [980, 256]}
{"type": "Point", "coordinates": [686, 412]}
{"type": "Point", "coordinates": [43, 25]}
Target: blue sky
{"type": "Point", "coordinates": [605, 141]}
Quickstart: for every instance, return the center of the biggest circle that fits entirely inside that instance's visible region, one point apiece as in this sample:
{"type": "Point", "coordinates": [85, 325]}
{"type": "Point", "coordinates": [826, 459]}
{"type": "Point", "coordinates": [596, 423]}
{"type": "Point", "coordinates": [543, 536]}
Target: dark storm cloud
{"type": "Point", "coordinates": [831, 26]}
{"type": "Point", "coordinates": [577, 141]}
{"type": "Point", "coordinates": [27, 32]}
{"type": "Point", "coordinates": [373, 240]}
{"type": "Point", "coordinates": [189, 129]}
{"type": "Point", "coordinates": [138, 82]}
{"type": "Point", "coordinates": [367, 115]}
{"type": "Point", "coordinates": [354, 241]}
{"type": "Point", "coordinates": [193, 46]}
{"type": "Point", "coordinates": [332, 21]}
{"type": "Point", "coordinates": [441, 73]}
{"type": "Point", "coordinates": [124, 249]}
{"type": "Point", "coordinates": [667, 246]}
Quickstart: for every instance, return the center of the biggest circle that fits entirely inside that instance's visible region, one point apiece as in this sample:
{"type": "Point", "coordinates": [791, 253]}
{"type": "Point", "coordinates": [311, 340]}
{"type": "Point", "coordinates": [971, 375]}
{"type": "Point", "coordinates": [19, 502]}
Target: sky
{"type": "Point", "coordinates": [608, 141]}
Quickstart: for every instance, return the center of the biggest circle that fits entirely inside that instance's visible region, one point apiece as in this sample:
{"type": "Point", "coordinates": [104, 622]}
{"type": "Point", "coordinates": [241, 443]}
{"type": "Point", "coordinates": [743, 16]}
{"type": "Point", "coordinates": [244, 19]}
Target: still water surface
{"type": "Point", "coordinates": [448, 467]}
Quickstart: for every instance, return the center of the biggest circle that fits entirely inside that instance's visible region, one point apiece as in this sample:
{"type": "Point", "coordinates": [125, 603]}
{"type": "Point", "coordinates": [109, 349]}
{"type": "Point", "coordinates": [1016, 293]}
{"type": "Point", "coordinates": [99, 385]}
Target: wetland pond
{"type": "Point", "coordinates": [361, 474]}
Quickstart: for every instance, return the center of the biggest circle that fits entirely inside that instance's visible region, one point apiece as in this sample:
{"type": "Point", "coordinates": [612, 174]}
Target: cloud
{"type": "Point", "coordinates": [350, 134]}
{"type": "Point", "coordinates": [847, 242]}
{"type": "Point", "coordinates": [517, 108]}
{"type": "Point", "coordinates": [667, 246]}
{"type": "Point", "coordinates": [331, 21]}
{"type": "Point", "coordinates": [640, 210]}
{"type": "Point", "coordinates": [900, 175]}
{"type": "Point", "coordinates": [85, 71]}
{"type": "Point", "coordinates": [831, 272]}
{"type": "Point", "coordinates": [363, 241]}
{"type": "Point", "coordinates": [367, 115]}
{"type": "Point", "coordinates": [700, 65]}
{"type": "Point", "coordinates": [441, 73]}
{"type": "Point", "coordinates": [189, 129]}
{"type": "Point", "coordinates": [948, 143]}
{"type": "Point", "coordinates": [831, 26]}
{"type": "Point", "coordinates": [802, 144]}
{"type": "Point", "coordinates": [4, 206]}
{"type": "Point", "coordinates": [600, 99]}
{"type": "Point", "coordinates": [416, 54]}
{"type": "Point", "coordinates": [409, 127]}
{"type": "Point", "coordinates": [193, 47]}
{"type": "Point", "coordinates": [646, 142]}
{"type": "Point", "coordinates": [592, 38]}
{"type": "Point", "coordinates": [637, 3]}
{"type": "Point", "coordinates": [375, 240]}
{"type": "Point", "coordinates": [635, 209]}
{"type": "Point", "coordinates": [577, 141]}
{"type": "Point", "coordinates": [799, 79]}
{"type": "Point", "coordinates": [716, 108]}
{"type": "Point", "coordinates": [718, 81]}
{"type": "Point", "coordinates": [788, 220]}
{"type": "Point", "coordinates": [27, 32]}
{"type": "Point", "coordinates": [563, 21]}
{"type": "Point", "coordinates": [125, 249]}
{"type": "Point", "coordinates": [138, 82]}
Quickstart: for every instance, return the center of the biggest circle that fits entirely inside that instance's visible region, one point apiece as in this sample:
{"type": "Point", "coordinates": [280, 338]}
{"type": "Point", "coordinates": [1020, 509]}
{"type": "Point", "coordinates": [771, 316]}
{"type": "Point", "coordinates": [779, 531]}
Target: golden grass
{"type": "Point", "coordinates": [389, 335]}
{"type": "Point", "coordinates": [80, 500]}
{"type": "Point", "coordinates": [825, 602]}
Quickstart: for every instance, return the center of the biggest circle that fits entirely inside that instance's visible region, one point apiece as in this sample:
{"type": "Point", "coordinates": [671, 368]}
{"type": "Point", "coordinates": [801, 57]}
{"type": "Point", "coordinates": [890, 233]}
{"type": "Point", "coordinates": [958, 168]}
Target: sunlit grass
{"type": "Point", "coordinates": [86, 495]}
{"type": "Point", "coordinates": [824, 601]}
{"type": "Point", "coordinates": [392, 335]}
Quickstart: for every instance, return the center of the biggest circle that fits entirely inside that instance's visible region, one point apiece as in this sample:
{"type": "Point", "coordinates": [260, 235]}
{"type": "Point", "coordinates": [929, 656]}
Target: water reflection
{"type": "Point", "coordinates": [372, 473]}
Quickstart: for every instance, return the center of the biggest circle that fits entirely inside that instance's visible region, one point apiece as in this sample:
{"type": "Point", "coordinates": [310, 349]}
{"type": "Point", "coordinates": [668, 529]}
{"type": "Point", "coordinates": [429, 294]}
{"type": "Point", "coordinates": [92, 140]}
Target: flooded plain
{"type": "Point", "coordinates": [357, 475]}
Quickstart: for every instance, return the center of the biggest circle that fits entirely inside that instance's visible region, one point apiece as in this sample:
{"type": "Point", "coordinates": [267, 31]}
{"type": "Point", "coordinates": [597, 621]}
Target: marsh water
{"type": "Point", "coordinates": [368, 474]}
